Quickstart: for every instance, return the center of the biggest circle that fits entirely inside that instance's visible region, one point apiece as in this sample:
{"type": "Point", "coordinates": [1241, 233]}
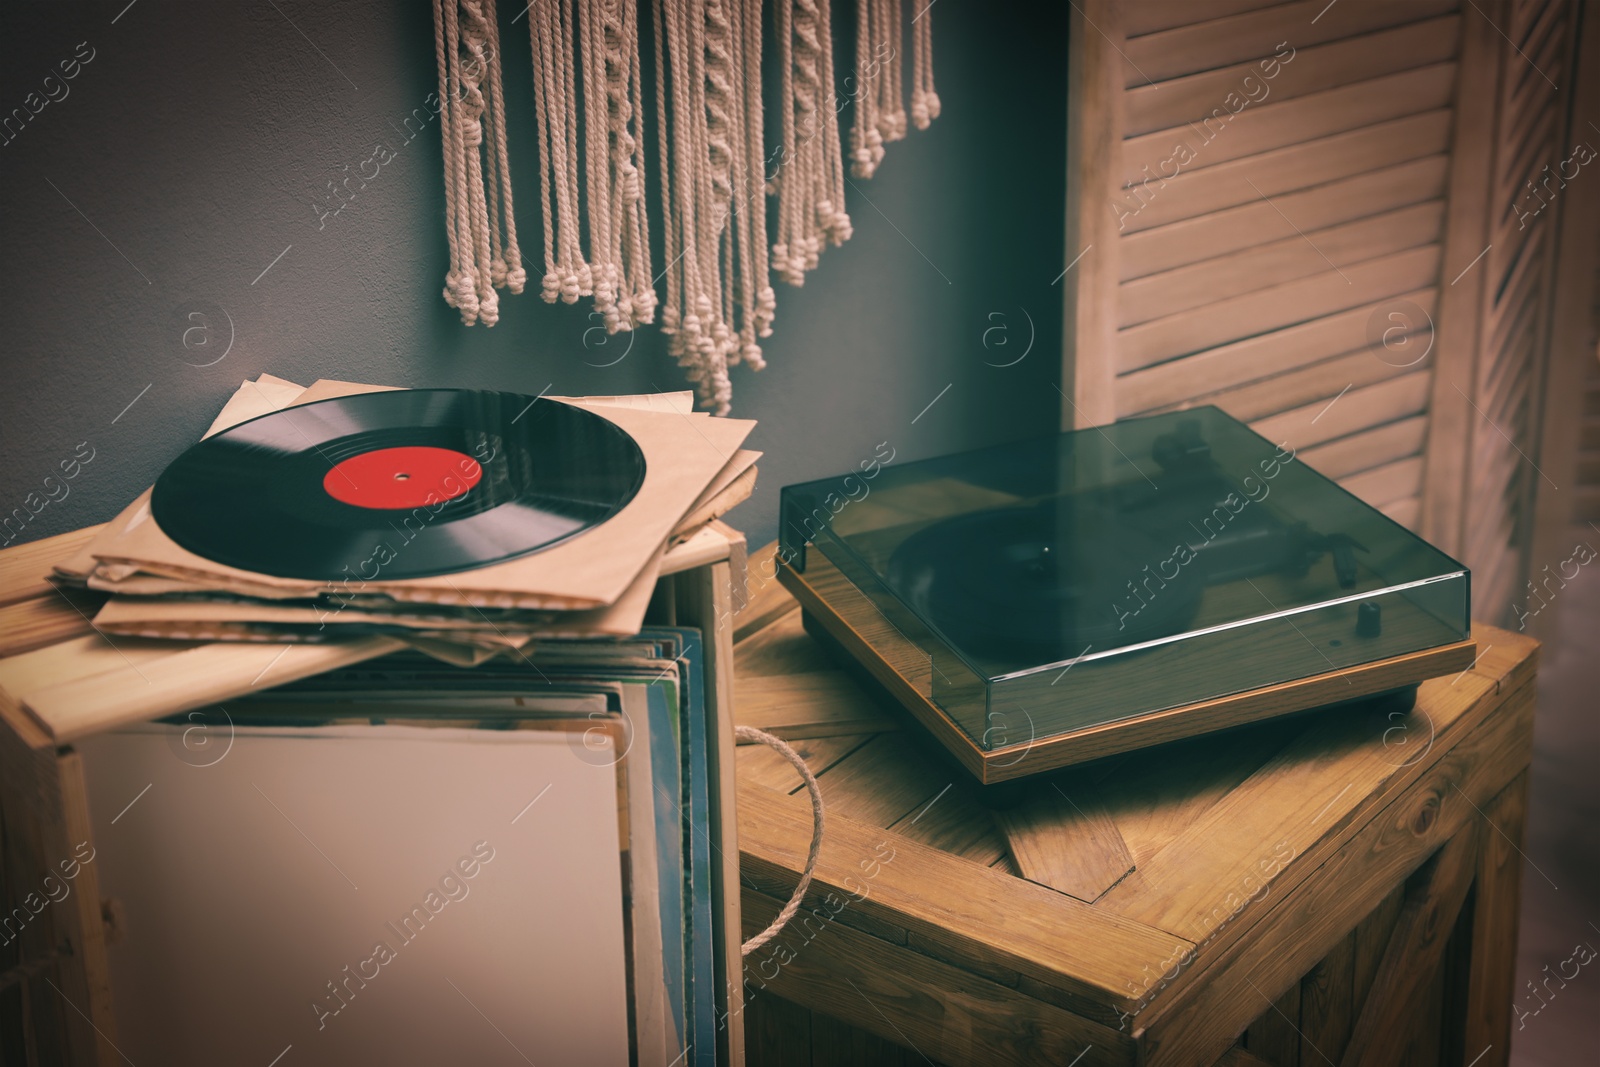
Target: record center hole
{"type": "Point", "coordinates": [402, 476]}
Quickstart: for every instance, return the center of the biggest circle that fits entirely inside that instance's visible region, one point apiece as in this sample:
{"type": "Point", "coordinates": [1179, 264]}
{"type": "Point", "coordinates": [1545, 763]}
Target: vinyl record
{"type": "Point", "coordinates": [1033, 584]}
{"type": "Point", "coordinates": [397, 484]}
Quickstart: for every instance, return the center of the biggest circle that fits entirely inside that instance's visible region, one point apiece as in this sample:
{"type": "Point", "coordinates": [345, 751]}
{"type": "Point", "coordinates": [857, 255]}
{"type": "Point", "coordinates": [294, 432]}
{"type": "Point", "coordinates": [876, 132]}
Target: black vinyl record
{"type": "Point", "coordinates": [399, 484]}
{"type": "Point", "coordinates": [1033, 584]}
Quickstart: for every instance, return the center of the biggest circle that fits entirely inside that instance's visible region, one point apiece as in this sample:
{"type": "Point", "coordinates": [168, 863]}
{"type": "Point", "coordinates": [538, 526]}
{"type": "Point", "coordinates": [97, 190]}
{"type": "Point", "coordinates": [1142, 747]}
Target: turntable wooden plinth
{"type": "Point", "coordinates": [840, 615]}
{"type": "Point", "coordinates": [1307, 890]}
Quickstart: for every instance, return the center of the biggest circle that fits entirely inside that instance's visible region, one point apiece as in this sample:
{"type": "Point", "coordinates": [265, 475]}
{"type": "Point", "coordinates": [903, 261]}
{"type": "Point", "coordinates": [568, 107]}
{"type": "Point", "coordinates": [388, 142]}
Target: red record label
{"type": "Point", "coordinates": [395, 479]}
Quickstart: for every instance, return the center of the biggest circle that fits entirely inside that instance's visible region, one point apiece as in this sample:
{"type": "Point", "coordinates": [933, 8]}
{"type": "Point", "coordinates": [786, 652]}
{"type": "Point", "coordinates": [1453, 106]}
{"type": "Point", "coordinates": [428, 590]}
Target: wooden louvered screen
{"type": "Point", "coordinates": [1586, 501]}
{"type": "Point", "coordinates": [1272, 206]}
{"type": "Point", "coordinates": [1495, 332]}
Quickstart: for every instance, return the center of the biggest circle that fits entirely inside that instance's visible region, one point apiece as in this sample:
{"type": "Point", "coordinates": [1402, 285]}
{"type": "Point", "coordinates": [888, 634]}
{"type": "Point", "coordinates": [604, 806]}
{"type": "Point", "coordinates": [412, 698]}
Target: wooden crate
{"type": "Point", "coordinates": [1332, 888]}
{"type": "Point", "coordinates": [55, 987]}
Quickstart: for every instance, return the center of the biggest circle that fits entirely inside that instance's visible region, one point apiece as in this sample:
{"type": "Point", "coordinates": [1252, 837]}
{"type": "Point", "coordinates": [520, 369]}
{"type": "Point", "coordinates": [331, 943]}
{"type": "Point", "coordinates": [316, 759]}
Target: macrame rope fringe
{"type": "Point", "coordinates": [715, 172]}
{"type": "Point", "coordinates": [480, 223]}
{"type": "Point", "coordinates": [750, 733]}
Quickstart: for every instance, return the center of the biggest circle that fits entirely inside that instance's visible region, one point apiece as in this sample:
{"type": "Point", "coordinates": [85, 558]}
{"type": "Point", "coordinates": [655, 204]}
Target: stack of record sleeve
{"type": "Point", "coordinates": [468, 523]}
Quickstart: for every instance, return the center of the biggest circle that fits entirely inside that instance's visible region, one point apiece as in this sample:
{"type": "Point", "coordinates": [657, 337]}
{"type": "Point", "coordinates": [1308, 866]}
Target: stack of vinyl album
{"type": "Point", "coordinates": [503, 857]}
{"type": "Point", "coordinates": [468, 522]}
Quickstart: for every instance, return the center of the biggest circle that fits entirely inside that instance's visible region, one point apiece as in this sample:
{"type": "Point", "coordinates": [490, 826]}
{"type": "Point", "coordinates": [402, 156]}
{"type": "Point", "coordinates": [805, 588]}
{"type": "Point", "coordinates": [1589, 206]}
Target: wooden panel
{"type": "Point", "coordinates": [1067, 842]}
{"type": "Point", "coordinates": [705, 599]}
{"type": "Point", "coordinates": [23, 567]}
{"type": "Point", "coordinates": [1358, 409]}
{"type": "Point", "coordinates": [877, 785]}
{"type": "Point", "coordinates": [1276, 262]}
{"type": "Point", "coordinates": [1174, 53]}
{"type": "Point", "coordinates": [1391, 481]}
{"type": "Point", "coordinates": [765, 598]}
{"type": "Point", "coordinates": [777, 1032]}
{"type": "Point", "coordinates": [765, 766]}
{"type": "Point", "coordinates": [1432, 901]}
{"type": "Point", "coordinates": [956, 821]}
{"type": "Point", "coordinates": [1094, 142]}
{"type": "Point", "coordinates": [781, 647]}
{"type": "Point", "coordinates": [1312, 70]}
{"type": "Point", "coordinates": [1326, 1008]}
{"type": "Point", "coordinates": [1258, 359]}
{"type": "Point", "coordinates": [1361, 451]}
{"type": "Point", "coordinates": [1149, 16]}
{"type": "Point", "coordinates": [1233, 127]}
{"type": "Point", "coordinates": [1275, 1037]}
{"type": "Point", "coordinates": [942, 1013]}
{"type": "Point", "coordinates": [1492, 968]}
{"type": "Point", "coordinates": [820, 704]}
{"type": "Point", "coordinates": [1193, 1027]}
{"type": "Point", "coordinates": [1259, 222]}
{"type": "Point", "coordinates": [185, 679]}
{"type": "Point", "coordinates": [1057, 940]}
{"type": "Point", "coordinates": [1272, 309]}
{"type": "Point", "coordinates": [59, 615]}
{"type": "Point", "coordinates": [1405, 511]}
{"type": "Point", "coordinates": [837, 1042]}
{"type": "Point", "coordinates": [1283, 170]}
{"type": "Point", "coordinates": [1184, 886]}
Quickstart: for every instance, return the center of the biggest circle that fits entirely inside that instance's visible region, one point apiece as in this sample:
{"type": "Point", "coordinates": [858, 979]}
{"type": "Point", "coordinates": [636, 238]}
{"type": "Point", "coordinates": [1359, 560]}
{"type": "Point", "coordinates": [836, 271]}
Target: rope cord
{"type": "Point", "coordinates": [750, 733]}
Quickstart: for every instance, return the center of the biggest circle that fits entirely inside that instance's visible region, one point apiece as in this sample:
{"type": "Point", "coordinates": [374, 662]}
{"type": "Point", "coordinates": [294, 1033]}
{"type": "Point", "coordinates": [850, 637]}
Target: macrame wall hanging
{"type": "Point", "coordinates": [716, 168]}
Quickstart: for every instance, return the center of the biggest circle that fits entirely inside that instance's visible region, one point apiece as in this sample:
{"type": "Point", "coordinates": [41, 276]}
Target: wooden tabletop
{"type": "Point", "coordinates": [1165, 889]}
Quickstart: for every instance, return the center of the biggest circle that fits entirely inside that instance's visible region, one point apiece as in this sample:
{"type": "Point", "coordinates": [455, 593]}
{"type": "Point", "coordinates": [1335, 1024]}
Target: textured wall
{"type": "Point", "coordinates": [160, 210]}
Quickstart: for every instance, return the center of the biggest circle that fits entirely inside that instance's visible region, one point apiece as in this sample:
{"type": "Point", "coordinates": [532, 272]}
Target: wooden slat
{"type": "Point", "coordinates": [1258, 222]}
{"type": "Point", "coordinates": [1405, 511]}
{"type": "Point", "coordinates": [1094, 138]}
{"type": "Point", "coordinates": [1276, 262]}
{"type": "Point", "coordinates": [1241, 1057]}
{"type": "Point", "coordinates": [1391, 481]}
{"type": "Point", "coordinates": [1150, 16]}
{"type": "Point", "coordinates": [956, 821]}
{"type": "Point", "coordinates": [765, 597]}
{"type": "Point", "coordinates": [1312, 70]}
{"type": "Point", "coordinates": [1372, 935]}
{"type": "Point", "coordinates": [834, 1041]}
{"type": "Point", "coordinates": [1463, 298]}
{"type": "Point", "coordinates": [1497, 895]}
{"type": "Point", "coordinates": [1371, 448]}
{"type": "Point", "coordinates": [1153, 802]}
{"type": "Point", "coordinates": [1326, 1012]}
{"type": "Point", "coordinates": [823, 704]}
{"type": "Point", "coordinates": [181, 680]}
{"type": "Point", "coordinates": [1044, 934]}
{"type": "Point", "coordinates": [704, 598]}
{"type": "Point", "coordinates": [1233, 128]}
{"type": "Point", "coordinates": [1284, 170]}
{"type": "Point", "coordinates": [876, 785]}
{"type": "Point", "coordinates": [1305, 922]}
{"type": "Point", "coordinates": [23, 567]}
{"type": "Point", "coordinates": [1336, 773]}
{"type": "Point", "coordinates": [1275, 1035]}
{"type": "Point", "coordinates": [1158, 57]}
{"type": "Point", "coordinates": [1273, 309]}
{"type": "Point", "coordinates": [907, 998]}
{"type": "Point", "coordinates": [764, 766]}
{"type": "Point", "coordinates": [1064, 840]}
{"type": "Point", "coordinates": [1358, 409]}
{"type": "Point", "coordinates": [781, 647]}
{"type": "Point", "coordinates": [777, 1032]}
{"type": "Point", "coordinates": [1260, 368]}
{"type": "Point", "coordinates": [1432, 902]}
{"type": "Point", "coordinates": [59, 615]}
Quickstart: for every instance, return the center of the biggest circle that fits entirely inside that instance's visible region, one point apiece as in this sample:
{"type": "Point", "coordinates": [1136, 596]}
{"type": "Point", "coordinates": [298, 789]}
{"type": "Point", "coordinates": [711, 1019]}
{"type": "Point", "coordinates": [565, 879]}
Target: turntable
{"type": "Point", "coordinates": [1050, 602]}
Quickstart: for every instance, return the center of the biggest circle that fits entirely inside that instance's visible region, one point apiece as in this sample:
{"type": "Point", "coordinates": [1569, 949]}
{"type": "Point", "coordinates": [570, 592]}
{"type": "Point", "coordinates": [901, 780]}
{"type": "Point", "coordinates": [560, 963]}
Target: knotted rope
{"type": "Point", "coordinates": [750, 733]}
